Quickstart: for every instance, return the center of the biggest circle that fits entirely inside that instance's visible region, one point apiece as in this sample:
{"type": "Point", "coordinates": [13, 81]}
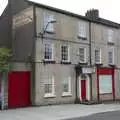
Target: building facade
{"type": "Point", "coordinates": [61, 57]}
{"type": "Point", "coordinates": [57, 54]}
{"type": "Point", "coordinates": [105, 53]}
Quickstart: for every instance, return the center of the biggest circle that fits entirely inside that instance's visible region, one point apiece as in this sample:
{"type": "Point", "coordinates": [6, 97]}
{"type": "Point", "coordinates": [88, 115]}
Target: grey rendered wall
{"type": "Point", "coordinates": [6, 28]}
{"type": "Point", "coordinates": [94, 87]}
{"type": "Point", "coordinates": [66, 31]}
{"type": "Point", "coordinates": [13, 7]}
{"type": "Point", "coordinates": [60, 72]}
{"type": "Point", "coordinates": [117, 72]}
{"type": "Point", "coordinates": [100, 40]}
{"type": "Point", "coordinates": [117, 84]}
{"type": "Point", "coordinates": [23, 35]}
{"type": "Point", "coordinates": [23, 43]}
{"type": "Point", "coordinates": [18, 5]}
{"type": "Point", "coordinates": [66, 27]}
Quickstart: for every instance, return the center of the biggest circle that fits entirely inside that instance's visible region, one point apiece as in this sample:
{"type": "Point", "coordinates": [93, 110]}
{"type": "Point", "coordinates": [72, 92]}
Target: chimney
{"type": "Point", "coordinates": [93, 13]}
{"type": "Point", "coordinates": [17, 5]}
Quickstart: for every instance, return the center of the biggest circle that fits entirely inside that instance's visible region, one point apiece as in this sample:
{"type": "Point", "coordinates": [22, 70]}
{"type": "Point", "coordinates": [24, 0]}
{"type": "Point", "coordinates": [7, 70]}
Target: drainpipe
{"type": "Point", "coordinates": [33, 78]}
{"type": "Point", "coordinates": [76, 90]}
{"type": "Point", "coordinates": [90, 58]}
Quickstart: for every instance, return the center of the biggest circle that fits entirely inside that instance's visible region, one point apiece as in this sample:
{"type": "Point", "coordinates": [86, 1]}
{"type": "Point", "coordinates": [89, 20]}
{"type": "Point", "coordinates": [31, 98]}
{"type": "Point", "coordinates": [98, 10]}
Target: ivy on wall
{"type": "Point", "coordinates": [5, 54]}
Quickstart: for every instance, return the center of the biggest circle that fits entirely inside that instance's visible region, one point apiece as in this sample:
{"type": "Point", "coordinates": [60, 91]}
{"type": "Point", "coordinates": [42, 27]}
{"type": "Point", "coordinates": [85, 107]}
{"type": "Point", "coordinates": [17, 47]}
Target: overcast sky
{"type": "Point", "coordinates": [109, 9]}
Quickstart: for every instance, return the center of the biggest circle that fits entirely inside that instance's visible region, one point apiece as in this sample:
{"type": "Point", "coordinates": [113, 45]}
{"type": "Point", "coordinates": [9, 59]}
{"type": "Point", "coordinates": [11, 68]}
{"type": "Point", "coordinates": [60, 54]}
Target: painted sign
{"type": "Point", "coordinates": [88, 70]}
{"type": "Point", "coordinates": [22, 18]}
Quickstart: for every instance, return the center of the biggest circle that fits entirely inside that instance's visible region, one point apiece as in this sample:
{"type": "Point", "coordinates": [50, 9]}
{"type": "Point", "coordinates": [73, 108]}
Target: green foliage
{"type": "Point", "coordinates": [5, 54]}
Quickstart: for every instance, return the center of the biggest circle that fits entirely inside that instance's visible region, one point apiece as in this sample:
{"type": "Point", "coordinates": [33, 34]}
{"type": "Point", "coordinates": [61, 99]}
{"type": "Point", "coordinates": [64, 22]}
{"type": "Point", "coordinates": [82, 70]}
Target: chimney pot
{"type": "Point", "coordinates": [92, 13]}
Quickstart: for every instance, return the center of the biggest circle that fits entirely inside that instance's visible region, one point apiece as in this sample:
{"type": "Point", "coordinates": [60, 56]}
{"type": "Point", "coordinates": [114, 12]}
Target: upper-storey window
{"type": "Point", "coordinates": [48, 51]}
{"type": "Point", "coordinates": [65, 57]}
{"type": "Point", "coordinates": [82, 31]}
{"type": "Point", "coordinates": [111, 55]}
{"type": "Point", "coordinates": [47, 19]}
{"type": "Point", "coordinates": [97, 56]}
{"type": "Point", "coordinates": [82, 54]}
{"type": "Point", "coordinates": [110, 36]}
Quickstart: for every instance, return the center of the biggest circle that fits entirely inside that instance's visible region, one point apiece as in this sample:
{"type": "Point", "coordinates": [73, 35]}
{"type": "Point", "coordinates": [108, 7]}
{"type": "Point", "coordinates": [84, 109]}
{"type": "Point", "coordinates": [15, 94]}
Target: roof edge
{"type": "Point", "coordinates": [98, 21]}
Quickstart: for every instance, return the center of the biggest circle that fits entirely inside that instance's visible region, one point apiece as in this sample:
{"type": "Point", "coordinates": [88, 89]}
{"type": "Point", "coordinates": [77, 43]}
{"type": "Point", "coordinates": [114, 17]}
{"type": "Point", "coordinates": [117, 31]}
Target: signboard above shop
{"type": "Point", "coordinates": [88, 70]}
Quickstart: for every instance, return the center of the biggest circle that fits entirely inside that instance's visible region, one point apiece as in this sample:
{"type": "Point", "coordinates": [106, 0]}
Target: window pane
{"type": "Point", "coordinates": [82, 30]}
{"type": "Point", "coordinates": [82, 54]}
{"type": "Point", "coordinates": [105, 83]}
{"type": "Point", "coordinates": [65, 86]}
{"type": "Point", "coordinates": [48, 88]}
{"type": "Point", "coordinates": [110, 35]}
{"type": "Point", "coordinates": [64, 53]}
{"type": "Point", "coordinates": [110, 57]}
{"type": "Point", "coordinates": [48, 51]}
{"type": "Point", "coordinates": [97, 55]}
{"type": "Point", "coordinates": [48, 84]}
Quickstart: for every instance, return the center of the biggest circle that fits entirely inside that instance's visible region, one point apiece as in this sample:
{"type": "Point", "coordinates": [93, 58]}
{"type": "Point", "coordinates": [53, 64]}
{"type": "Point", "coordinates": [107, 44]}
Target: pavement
{"type": "Point", "coordinates": [57, 112]}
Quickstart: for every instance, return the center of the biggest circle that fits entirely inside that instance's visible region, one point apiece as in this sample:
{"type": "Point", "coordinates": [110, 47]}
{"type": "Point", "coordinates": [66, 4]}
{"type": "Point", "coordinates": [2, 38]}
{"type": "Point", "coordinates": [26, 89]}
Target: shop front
{"type": "Point", "coordinates": [105, 83]}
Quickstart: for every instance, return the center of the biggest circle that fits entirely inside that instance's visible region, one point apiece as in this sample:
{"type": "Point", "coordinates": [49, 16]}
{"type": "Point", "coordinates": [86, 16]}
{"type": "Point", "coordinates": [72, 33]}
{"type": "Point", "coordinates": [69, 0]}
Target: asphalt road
{"type": "Point", "coordinates": [101, 116]}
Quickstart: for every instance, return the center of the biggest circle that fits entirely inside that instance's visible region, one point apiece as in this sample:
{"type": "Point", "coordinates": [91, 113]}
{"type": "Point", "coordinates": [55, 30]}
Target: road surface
{"type": "Point", "coordinates": [101, 116]}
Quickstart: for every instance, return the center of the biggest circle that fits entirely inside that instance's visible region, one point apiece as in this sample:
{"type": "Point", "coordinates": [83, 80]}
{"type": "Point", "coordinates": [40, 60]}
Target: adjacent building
{"type": "Point", "coordinates": [60, 57]}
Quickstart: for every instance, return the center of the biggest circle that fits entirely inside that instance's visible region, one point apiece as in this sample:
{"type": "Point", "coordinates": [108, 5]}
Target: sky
{"type": "Point", "coordinates": [108, 9]}
{"type": "Point", "coordinates": [3, 4]}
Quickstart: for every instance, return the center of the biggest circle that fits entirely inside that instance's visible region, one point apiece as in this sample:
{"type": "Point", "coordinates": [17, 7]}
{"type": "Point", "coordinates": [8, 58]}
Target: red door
{"type": "Point", "coordinates": [83, 89]}
{"type": "Point", "coordinates": [19, 89]}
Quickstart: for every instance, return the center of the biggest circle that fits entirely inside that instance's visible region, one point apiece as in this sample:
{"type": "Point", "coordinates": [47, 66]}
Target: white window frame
{"type": "Point", "coordinates": [82, 32]}
{"type": "Point", "coordinates": [52, 46]}
{"type": "Point", "coordinates": [85, 55]}
{"type": "Point", "coordinates": [47, 18]}
{"type": "Point", "coordinates": [52, 94]}
{"type": "Point", "coordinates": [110, 35]}
{"type": "Point", "coordinates": [100, 56]}
{"type": "Point", "coordinates": [68, 60]}
{"type": "Point", "coordinates": [69, 88]}
{"type": "Point", "coordinates": [113, 57]}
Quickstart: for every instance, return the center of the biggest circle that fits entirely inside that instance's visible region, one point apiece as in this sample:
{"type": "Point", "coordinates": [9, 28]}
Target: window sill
{"type": "Point", "coordinates": [49, 61]}
{"type": "Point", "coordinates": [112, 65]}
{"type": "Point", "coordinates": [105, 93]}
{"type": "Point", "coordinates": [82, 38]}
{"type": "Point", "coordinates": [66, 94]}
{"type": "Point", "coordinates": [65, 62]}
{"type": "Point", "coordinates": [49, 95]}
{"type": "Point", "coordinates": [98, 64]}
{"type": "Point", "coordinates": [50, 32]}
{"type": "Point", "coordinates": [83, 63]}
{"type": "Point", "coordinates": [110, 43]}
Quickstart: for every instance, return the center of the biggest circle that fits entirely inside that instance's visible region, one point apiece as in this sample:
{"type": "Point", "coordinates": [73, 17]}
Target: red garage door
{"type": "Point", "coordinates": [19, 89]}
